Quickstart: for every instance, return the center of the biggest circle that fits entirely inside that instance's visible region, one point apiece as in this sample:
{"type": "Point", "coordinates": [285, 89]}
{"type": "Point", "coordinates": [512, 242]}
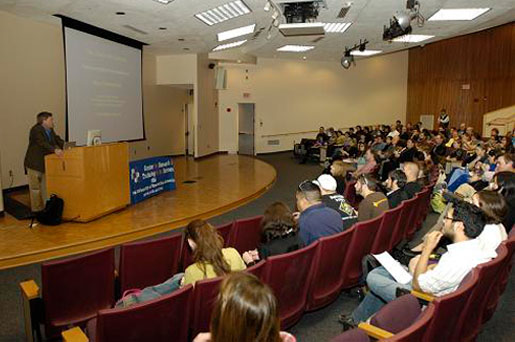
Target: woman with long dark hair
{"type": "Point", "coordinates": [504, 183]}
{"type": "Point", "coordinates": [245, 311]}
{"type": "Point", "coordinates": [279, 234]}
{"type": "Point", "coordinates": [494, 206]}
{"type": "Point", "coordinates": [210, 259]}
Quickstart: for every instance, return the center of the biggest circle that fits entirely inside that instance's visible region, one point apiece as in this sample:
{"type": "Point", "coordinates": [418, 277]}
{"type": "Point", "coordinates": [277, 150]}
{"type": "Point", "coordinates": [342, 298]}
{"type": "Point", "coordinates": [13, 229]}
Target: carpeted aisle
{"type": "Point", "coordinates": [318, 326]}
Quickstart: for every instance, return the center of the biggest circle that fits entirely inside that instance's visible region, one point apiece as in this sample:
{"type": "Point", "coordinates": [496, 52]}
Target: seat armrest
{"type": "Point", "coordinates": [29, 289]}
{"type": "Point", "coordinates": [374, 331]}
{"type": "Point", "coordinates": [422, 295]}
{"type": "Point", "coordinates": [74, 335]}
{"type": "Point", "coordinates": [30, 292]}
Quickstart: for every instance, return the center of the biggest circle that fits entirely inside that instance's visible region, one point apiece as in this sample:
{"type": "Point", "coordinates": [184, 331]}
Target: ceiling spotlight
{"type": "Point", "coordinates": [275, 23]}
{"type": "Point", "coordinates": [268, 5]}
{"type": "Point", "coordinates": [347, 59]}
{"type": "Point", "coordinates": [400, 25]}
{"type": "Point", "coordinates": [275, 15]}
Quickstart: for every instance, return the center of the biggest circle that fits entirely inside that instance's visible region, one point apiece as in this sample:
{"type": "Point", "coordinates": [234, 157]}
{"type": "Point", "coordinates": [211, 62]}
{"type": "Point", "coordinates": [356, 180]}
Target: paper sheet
{"type": "Point", "coordinates": [393, 267]}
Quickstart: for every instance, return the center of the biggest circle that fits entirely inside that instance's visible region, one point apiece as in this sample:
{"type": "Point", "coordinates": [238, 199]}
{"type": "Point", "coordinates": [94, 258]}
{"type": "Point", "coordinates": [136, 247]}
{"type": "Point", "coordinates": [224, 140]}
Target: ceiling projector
{"type": "Point", "coordinates": [301, 17]}
{"type": "Point", "coordinates": [400, 25]}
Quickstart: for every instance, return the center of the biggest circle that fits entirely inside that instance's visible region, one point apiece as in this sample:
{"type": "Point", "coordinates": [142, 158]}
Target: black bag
{"type": "Point", "coordinates": [53, 213]}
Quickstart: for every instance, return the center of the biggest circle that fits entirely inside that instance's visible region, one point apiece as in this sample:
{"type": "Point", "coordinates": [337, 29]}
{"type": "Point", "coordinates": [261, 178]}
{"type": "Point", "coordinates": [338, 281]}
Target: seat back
{"type": "Point", "coordinates": [74, 289]}
{"type": "Point", "coordinates": [350, 193]}
{"type": "Point", "coordinates": [423, 207]}
{"type": "Point", "coordinates": [398, 314]}
{"type": "Point", "coordinates": [353, 335]}
{"type": "Point", "coordinates": [413, 215]}
{"type": "Point", "coordinates": [225, 231]}
{"type": "Point", "coordinates": [246, 234]}
{"type": "Point", "coordinates": [398, 231]}
{"type": "Point", "coordinates": [406, 225]}
{"type": "Point", "coordinates": [257, 269]}
{"type": "Point", "coordinates": [289, 277]}
{"type": "Point", "coordinates": [361, 245]}
{"type": "Point", "coordinates": [204, 297]}
{"type": "Point", "coordinates": [416, 331]}
{"type": "Point", "coordinates": [470, 320]}
{"type": "Point", "coordinates": [386, 228]}
{"type": "Point", "coordinates": [326, 282]}
{"type": "Point", "coordinates": [448, 309]}
{"type": "Point", "coordinates": [148, 263]}
{"type": "Point", "coordinates": [162, 319]}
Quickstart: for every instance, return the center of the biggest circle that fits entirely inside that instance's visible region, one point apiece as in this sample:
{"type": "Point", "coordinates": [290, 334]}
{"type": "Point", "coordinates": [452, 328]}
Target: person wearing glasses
{"type": "Point", "coordinates": [315, 219]}
{"type": "Point", "coordinates": [462, 224]}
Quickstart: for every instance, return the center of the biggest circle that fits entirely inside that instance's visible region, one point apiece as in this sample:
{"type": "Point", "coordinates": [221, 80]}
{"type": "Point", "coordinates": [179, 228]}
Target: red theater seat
{"type": "Point", "coordinates": [246, 234]}
{"type": "Point", "coordinates": [386, 229]}
{"type": "Point", "coordinates": [326, 281]}
{"type": "Point", "coordinates": [159, 320]}
{"type": "Point", "coordinates": [204, 297]}
{"type": "Point", "coordinates": [289, 276]}
{"type": "Point", "coordinates": [148, 263]}
{"type": "Point", "coordinates": [76, 288]}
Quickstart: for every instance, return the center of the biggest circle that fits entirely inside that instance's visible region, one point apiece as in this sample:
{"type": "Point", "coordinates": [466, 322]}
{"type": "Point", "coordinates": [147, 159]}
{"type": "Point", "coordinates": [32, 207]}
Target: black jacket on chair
{"type": "Point", "coordinates": [39, 146]}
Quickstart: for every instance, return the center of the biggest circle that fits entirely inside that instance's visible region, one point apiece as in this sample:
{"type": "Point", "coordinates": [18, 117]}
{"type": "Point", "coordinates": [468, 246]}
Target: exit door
{"type": "Point", "coordinates": [246, 128]}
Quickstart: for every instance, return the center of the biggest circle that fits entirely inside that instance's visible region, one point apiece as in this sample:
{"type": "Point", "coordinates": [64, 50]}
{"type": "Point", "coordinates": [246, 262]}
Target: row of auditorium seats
{"type": "Point", "coordinates": [458, 316]}
{"type": "Point", "coordinates": [81, 289]}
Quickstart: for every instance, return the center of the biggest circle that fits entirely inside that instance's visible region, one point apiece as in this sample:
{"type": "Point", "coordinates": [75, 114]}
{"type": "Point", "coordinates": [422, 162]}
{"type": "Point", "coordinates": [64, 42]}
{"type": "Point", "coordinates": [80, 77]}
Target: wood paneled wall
{"type": "Point", "coordinates": [469, 76]}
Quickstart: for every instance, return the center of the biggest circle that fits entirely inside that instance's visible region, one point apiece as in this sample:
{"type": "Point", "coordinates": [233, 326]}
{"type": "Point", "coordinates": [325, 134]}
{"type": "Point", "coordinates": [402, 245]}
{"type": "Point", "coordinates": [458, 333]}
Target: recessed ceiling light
{"type": "Point", "coordinates": [240, 31]}
{"type": "Point", "coordinates": [336, 27]}
{"type": "Point", "coordinates": [120, 13]}
{"type": "Point", "coordinates": [458, 14]}
{"type": "Point", "coordinates": [295, 48]}
{"type": "Point", "coordinates": [412, 38]}
{"type": "Point", "coordinates": [229, 45]}
{"type": "Point", "coordinates": [224, 12]}
{"type": "Point", "coordinates": [365, 52]}
{"type": "Point", "coordinates": [164, 2]}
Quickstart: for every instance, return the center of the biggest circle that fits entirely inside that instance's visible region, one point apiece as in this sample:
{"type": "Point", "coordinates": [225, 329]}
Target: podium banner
{"type": "Point", "coordinates": [150, 177]}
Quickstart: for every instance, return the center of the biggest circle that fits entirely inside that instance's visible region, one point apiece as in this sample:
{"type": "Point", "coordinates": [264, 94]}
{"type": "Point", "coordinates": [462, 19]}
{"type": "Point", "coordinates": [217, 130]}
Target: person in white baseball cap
{"type": "Point", "coordinates": [332, 199]}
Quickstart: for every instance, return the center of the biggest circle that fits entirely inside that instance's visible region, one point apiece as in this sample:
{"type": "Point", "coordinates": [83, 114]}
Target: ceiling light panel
{"type": "Point", "coordinates": [458, 14]}
{"type": "Point", "coordinates": [365, 53]}
{"type": "Point", "coordinates": [336, 27]}
{"type": "Point", "coordinates": [229, 45]}
{"type": "Point", "coordinates": [237, 32]}
{"type": "Point", "coordinates": [223, 12]}
{"type": "Point", "coordinates": [412, 38]}
{"type": "Point", "coordinates": [295, 48]}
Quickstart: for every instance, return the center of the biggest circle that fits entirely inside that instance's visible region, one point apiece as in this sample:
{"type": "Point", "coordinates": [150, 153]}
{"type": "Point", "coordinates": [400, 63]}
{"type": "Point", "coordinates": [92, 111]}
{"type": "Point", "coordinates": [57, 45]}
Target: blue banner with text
{"type": "Point", "coordinates": [150, 177]}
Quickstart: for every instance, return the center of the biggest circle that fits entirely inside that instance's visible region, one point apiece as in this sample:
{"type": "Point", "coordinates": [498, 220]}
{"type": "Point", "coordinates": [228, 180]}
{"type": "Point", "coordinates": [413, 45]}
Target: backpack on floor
{"type": "Point", "coordinates": [53, 213]}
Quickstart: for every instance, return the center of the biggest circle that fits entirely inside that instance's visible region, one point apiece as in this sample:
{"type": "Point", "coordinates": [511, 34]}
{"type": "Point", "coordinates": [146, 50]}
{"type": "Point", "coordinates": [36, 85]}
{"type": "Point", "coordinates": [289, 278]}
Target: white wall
{"type": "Point", "coordinates": [299, 96]}
{"type": "Point", "coordinates": [33, 78]}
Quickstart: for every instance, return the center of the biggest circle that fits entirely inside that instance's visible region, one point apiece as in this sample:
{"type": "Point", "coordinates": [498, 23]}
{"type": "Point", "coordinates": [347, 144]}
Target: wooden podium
{"type": "Point", "coordinates": [93, 181]}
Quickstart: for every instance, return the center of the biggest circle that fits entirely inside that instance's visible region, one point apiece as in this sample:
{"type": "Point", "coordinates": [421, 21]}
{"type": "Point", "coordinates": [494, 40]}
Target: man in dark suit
{"type": "Point", "coordinates": [42, 141]}
{"type": "Point", "coordinates": [395, 183]}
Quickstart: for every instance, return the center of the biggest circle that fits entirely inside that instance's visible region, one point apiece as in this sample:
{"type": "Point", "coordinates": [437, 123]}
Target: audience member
{"type": "Point", "coordinates": [374, 203]}
{"type": "Point", "coordinates": [315, 219]}
{"type": "Point", "coordinates": [395, 184]}
{"type": "Point", "coordinates": [463, 223]}
{"type": "Point", "coordinates": [332, 199]}
{"type": "Point", "coordinates": [504, 183]}
{"type": "Point", "coordinates": [370, 166]}
{"type": "Point", "coordinates": [279, 234]}
{"type": "Point", "coordinates": [338, 170]}
{"type": "Point", "coordinates": [411, 170]}
{"type": "Point", "coordinates": [494, 207]}
{"type": "Point", "coordinates": [245, 311]}
{"type": "Point", "coordinates": [210, 259]}
{"type": "Point", "coordinates": [505, 163]}
{"type": "Point", "coordinates": [444, 119]}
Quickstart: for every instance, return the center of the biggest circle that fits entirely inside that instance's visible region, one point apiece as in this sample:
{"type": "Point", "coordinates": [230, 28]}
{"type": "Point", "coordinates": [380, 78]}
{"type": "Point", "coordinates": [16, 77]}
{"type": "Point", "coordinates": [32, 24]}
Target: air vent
{"type": "Point", "coordinates": [273, 142]}
{"type": "Point", "coordinates": [130, 27]}
{"type": "Point", "coordinates": [316, 40]}
{"type": "Point", "coordinates": [343, 11]}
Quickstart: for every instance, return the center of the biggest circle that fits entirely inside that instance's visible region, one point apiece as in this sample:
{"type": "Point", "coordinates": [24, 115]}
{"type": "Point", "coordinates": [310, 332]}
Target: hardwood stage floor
{"type": "Point", "coordinates": [223, 182]}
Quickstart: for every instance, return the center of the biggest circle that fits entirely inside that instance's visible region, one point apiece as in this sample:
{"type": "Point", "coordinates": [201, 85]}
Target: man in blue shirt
{"type": "Point", "coordinates": [316, 219]}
